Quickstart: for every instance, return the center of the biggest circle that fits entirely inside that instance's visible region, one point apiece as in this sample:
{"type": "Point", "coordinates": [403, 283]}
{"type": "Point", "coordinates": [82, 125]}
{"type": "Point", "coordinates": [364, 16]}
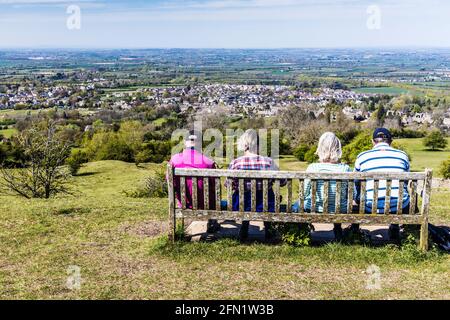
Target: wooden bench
{"type": "Point", "coordinates": [418, 183]}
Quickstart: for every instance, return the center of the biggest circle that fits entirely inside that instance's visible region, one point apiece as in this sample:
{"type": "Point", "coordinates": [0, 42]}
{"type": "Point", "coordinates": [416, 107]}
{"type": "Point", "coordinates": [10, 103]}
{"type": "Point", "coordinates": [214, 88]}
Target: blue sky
{"type": "Point", "coordinates": [224, 24]}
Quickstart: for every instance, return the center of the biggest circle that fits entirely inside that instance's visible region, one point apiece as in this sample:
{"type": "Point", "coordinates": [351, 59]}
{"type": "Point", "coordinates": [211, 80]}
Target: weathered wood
{"type": "Point", "coordinates": [289, 196]}
{"type": "Point", "coordinates": [401, 188]}
{"type": "Point", "coordinates": [326, 193]}
{"type": "Point", "coordinates": [313, 195]}
{"type": "Point", "coordinates": [387, 198]}
{"type": "Point", "coordinates": [338, 196]}
{"type": "Point", "coordinates": [265, 195]}
{"type": "Point", "coordinates": [314, 217]}
{"type": "Point", "coordinates": [350, 189]}
{"type": "Point", "coordinates": [425, 209]}
{"type": "Point", "coordinates": [413, 193]}
{"type": "Point", "coordinates": [301, 217]}
{"type": "Point", "coordinates": [267, 174]}
{"type": "Point", "coordinates": [218, 193]}
{"type": "Point", "coordinates": [362, 202]}
{"type": "Point", "coordinates": [253, 191]}
{"type": "Point", "coordinates": [241, 195]}
{"type": "Point", "coordinates": [194, 193]}
{"type": "Point", "coordinates": [171, 196]}
{"type": "Point", "coordinates": [183, 192]}
{"type": "Point", "coordinates": [376, 184]}
{"type": "Point", "coordinates": [301, 196]}
{"type": "Point", "coordinates": [229, 194]}
{"type": "Point", "coordinates": [277, 195]}
{"type": "Point", "coordinates": [206, 193]}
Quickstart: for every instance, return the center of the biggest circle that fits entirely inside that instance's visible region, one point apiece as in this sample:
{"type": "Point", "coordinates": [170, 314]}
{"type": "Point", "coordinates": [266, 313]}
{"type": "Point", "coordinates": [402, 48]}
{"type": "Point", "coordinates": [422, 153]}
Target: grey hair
{"type": "Point", "coordinates": [248, 141]}
{"type": "Point", "coordinates": [330, 148]}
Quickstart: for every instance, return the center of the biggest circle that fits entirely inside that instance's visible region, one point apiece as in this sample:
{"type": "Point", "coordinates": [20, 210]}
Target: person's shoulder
{"type": "Point", "coordinates": [400, 152]}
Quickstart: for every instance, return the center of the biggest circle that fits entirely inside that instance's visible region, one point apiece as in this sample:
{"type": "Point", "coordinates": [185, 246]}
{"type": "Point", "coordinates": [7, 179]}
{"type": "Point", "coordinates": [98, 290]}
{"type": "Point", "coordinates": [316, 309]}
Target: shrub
{"type": "Point", "coordinates": [76, 160]}
{"type": "Point", "coordinates": [445, 169]}
{"type": "Point", "coordinates": [311, 156]}
{"type": "Point", "coordinates": [296, 234]}
{"type": "Point", "coordinates": [435, 140]}
{"type": "Point", "coordinates": [362, 142]}
{"type": "Point", "coordinates": [301, 151]}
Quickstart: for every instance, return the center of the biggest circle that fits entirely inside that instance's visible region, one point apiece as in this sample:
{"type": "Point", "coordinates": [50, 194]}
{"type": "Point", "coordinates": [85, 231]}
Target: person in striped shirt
{"type": "Point", "coordinates": [384, 158]}
{"type": "Point", "coordinates": [329, 152]}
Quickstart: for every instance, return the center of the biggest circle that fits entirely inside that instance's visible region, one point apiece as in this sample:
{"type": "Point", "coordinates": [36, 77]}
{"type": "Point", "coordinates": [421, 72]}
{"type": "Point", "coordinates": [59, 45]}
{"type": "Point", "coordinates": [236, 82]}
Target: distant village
{"type": "Point", "coordinates": [236, 100]}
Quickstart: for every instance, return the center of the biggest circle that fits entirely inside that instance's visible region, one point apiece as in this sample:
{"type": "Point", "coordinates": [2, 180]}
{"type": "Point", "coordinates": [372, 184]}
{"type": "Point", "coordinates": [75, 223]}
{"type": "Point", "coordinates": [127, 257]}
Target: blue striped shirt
{"type": "Point", "coordinates": [383, 158]}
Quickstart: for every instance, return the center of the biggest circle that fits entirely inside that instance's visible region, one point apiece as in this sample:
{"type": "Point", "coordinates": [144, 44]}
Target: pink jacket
{"type": "Point", "coordinates": [191, 158]}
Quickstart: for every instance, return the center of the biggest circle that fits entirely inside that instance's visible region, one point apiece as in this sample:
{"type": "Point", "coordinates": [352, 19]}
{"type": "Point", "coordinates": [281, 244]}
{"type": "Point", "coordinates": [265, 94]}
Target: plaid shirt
{"type": "Point", "coordinates": [253, 163]}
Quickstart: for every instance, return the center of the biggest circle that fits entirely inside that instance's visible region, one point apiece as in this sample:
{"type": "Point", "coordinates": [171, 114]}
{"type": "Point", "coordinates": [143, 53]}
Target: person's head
{"type": "Point", "coordinates": [329, 149]}
{"type": "Point", "coordinates": [248, 142]}
{"type": "Point", "coordinates": [382, 135]}
{"type": "Point", "coordinates": [190, 140]}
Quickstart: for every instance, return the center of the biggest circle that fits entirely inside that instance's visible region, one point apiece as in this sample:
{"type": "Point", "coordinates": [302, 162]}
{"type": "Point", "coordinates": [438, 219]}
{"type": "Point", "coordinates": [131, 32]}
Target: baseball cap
{"type": "Point", "coordinates": [382, 133]}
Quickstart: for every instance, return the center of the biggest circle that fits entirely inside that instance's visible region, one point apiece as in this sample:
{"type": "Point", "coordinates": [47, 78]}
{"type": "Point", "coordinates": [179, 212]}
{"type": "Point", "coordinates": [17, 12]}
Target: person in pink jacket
{"type": "Point", "coordinates": [191, 158]}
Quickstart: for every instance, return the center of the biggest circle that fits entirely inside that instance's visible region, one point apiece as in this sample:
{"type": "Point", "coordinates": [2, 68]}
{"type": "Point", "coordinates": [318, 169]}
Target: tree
{"type": "Point", "coordinates": [42, 174]}
{"type": "Point", "coordinates": [435, 140]}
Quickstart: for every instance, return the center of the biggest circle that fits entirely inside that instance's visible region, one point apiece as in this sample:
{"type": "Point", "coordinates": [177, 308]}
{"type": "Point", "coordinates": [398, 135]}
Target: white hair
{"type": "Point", "coordinates": [248, 141]}
{"type": "Point", "coordinates": [330, 148]}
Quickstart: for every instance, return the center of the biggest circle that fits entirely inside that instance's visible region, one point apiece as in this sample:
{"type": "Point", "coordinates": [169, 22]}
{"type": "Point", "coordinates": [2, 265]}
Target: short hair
{"type": "Point", "coordinates": [248, 141]}
{"type": "Point", "coordinates": [382, 139]}
{"type": "Point", "coordinates": [330, 148]}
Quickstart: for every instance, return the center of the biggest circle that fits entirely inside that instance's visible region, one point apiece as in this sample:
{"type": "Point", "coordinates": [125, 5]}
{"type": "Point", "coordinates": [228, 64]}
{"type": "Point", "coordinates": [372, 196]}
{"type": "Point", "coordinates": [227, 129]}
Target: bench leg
{"type": "Point", "coordinates": [424, 235]}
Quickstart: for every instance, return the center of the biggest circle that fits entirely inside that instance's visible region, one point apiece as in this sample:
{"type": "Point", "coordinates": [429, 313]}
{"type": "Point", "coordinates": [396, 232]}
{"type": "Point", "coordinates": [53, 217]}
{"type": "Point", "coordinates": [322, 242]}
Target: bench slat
{"type": "Point", "coordinates": [253, 183]}
{"type": "Point", "coordinates": [289, 196]}
{"type": "Point", "coordinates": [338, 196]}
{"type": "Point", "coordinates": [229, 194]}
{"type": "Point", "coordinates": [350, 186]}
{"type": "Point", "coordinates": [401, 188]}
{"type": "Point", "coordinates": [387, 199]}
{"type": "Point", "coordinates": [241, 195]}
{"type": "Point", "coordinates": [313, 195]}
{"type": "Point", "coordinates": [206, 193]}
{"type": "Point", "coordinates": [376, 184]}
{"type": "Point", "coordinates": [362, 202]}
{"type": "Point", "coordinates": [301, 196]}
{"type": "Point", "coordinates": [218, 192]}
{"type": "Point", "coordinates": [183, 192]}
{"type": "Point", "coordinates": [194, 193]}
{"type": "Point", "coordinates": [413, 193]}
{"type": "Point", "coordinates": [277, 196]}
{"type": "Point", "coordinates": [326, 187]}
{"type": "Point", "coordinates": [265, 195]}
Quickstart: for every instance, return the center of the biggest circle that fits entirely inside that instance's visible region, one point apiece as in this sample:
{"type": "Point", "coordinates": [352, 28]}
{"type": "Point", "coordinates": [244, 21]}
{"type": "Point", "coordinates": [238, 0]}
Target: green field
{"type": "Point", "coordinates": [381, 90]}
{"type": "Point", "coordinates": [119, 243]}
{"type": "Point", "coordinates": [422, 158]}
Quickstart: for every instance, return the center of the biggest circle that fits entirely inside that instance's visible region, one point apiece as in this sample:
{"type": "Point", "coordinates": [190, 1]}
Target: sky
{"type": "Point", "coordinates": [224, 23]}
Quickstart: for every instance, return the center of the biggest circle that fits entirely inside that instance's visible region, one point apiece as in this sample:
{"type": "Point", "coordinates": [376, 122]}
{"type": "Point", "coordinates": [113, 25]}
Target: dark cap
{"type": "Point", "coordinates": [192, 136]}
{"type": "Point", "coordinates": [382, 133]}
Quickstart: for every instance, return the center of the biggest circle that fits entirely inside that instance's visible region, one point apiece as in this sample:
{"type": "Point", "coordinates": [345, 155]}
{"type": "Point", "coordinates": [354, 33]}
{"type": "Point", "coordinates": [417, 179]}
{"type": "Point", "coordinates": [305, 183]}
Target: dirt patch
{"type": "Point", "coordinates": [146, 229]}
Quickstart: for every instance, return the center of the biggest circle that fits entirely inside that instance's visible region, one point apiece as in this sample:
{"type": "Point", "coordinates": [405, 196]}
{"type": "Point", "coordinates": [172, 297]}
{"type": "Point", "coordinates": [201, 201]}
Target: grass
{"type": "Point", "coordinates": [422, 158]}
{"type": "Point", "coordinates": [119, 244]}
{"type": "Point", "coordinates": [8, 133]}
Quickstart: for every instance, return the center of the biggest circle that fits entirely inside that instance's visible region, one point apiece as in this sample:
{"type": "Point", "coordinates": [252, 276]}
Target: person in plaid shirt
{"type": "Point", "coordinates": [251, 160]}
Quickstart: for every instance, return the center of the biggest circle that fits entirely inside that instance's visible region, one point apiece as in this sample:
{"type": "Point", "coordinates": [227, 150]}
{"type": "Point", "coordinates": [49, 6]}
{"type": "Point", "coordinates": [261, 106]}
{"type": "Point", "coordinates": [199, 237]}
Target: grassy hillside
{"type": "Point", "coordinates": [119, 244]}
{"type": "Point", "coordinates": [422, 158]}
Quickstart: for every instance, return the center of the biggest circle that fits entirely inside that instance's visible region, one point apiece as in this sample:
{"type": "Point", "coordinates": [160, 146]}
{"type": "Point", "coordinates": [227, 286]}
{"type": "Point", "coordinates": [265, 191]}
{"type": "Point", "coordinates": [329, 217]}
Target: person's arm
{"type": "Point", "coordinates": [357, 192]}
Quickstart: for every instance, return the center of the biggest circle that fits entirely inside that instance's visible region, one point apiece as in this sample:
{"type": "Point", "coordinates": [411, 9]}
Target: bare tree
{"type": "Point", "coordinates": [42, 174]}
